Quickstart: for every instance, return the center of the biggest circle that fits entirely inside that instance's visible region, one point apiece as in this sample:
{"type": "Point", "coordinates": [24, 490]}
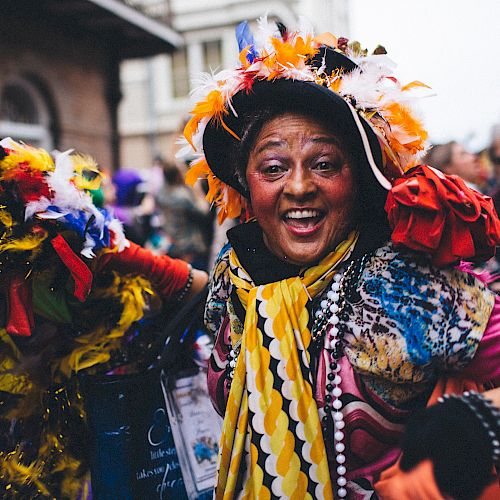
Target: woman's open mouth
{"type": "Point", "coordinates": [303, 220]}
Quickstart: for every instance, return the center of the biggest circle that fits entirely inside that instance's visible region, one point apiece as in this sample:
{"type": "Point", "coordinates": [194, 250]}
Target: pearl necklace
{"type": "Point", "coordinates": [232, 357]}
{"type": "Point", "coordinates": [326, 327]}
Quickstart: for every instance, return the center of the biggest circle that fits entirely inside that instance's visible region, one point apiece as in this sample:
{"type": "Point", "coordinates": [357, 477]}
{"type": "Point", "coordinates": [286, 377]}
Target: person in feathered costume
{"type": "Point", "coordinates": [73, 287]}
{"type": "Point", "coordinates": [339, 308]}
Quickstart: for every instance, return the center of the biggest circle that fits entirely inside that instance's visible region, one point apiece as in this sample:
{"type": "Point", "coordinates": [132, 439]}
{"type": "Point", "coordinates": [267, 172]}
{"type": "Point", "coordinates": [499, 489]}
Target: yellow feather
{"type": "Point", "coordinates": [96, 347]}
{"type": "Point", "coordinates": [14, 471]}
{"type": "Point", "coordinates": [36, 158]}
{"type": "Point", "coordinates": [89, 185]}
{"type": "Point", "coordinates": [414, 84]}
{"type": "Point", "coordinates": [6, 218]}
{"type": "Point", "coordinates": [82, 165]}
{"type": "Point", "coordinates": [7, 339]}
{"type": "Point", "coordinates": [28, 242]}
{"type": "Point", "coordinates": [198, 169]}
{"type": "Point", "coordinates": [11, 382]}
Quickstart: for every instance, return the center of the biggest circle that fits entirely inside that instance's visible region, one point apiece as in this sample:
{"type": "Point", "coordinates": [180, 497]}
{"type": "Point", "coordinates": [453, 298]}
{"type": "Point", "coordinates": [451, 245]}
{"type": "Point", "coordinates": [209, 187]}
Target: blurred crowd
{"type": "Point", "coordinates": [480, 171]}
{"type": "Point", "coordinates": [159, 211]}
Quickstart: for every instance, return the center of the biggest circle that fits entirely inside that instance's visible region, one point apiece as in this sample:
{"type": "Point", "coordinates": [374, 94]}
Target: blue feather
{"type": "Point", "coordinates": [245, 39]}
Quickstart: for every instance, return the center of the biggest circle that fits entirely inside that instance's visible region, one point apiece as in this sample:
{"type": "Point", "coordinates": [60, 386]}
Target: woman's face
{"type": "Point", "coordinates": [301, 188]}
{"type": "Point", "coordinates": [464, 163]}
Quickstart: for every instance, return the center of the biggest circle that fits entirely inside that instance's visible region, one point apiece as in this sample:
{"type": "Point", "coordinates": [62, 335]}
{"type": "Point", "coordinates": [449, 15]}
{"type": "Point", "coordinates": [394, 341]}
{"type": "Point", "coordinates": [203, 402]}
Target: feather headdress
{"type": "Point", "coordinates": [275, 53]}
{"type": "Point", "coordinates": [55, 191]}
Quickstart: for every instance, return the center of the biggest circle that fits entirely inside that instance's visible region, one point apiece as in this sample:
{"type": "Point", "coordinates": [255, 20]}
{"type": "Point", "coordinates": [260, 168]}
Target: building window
{"type": "Point", "coordinates": [206, 57]}
{"type": "Point", "coordinates": [180, 73]}
{"type": "Point", "coordinates": [17, 105]}
{"type": "Point", "coordinates": [212, 56]}
{"type": "Point", "coordinates": [24, 115]}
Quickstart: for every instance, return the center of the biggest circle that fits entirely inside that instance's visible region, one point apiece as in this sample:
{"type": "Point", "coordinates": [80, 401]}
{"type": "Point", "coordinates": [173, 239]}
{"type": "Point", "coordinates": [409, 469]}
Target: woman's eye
{"type": "Point", "coordinates": [273, 169]}
{"type": "Point", "coordinates": [327, 166]}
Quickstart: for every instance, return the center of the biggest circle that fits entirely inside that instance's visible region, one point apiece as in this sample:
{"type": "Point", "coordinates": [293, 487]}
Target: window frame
{"type": "Point", "coordinates": [38, 134]}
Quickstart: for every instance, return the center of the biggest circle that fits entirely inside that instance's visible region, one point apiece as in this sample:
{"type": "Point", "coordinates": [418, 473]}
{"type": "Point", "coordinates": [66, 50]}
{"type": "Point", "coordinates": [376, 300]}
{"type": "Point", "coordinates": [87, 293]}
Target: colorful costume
{"type": "Point", "coordinates": [73, 290]}
{"type": "Point", "coordinates": [408, 324]}
{"type": "Point", "coordinates": [317, 368]}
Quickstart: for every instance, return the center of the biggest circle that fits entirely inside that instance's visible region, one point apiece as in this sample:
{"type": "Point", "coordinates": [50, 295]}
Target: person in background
{"type": "Point", "coordinates": [73, 292]}
{"type": "Point", "coordinates": [493, 158]}
{"type": "Point", "coordinates": [133, 204]}
{"type": "Point", "coordinates": [453, 159]}
{"type": "Point", "coordinates": [184, 218]}
{"type": "Point", "coordinates": [155, 178]}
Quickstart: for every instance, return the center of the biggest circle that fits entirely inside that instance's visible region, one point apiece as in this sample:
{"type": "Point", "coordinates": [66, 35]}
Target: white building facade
{"type": "Point", "coordinates": [156, 90]}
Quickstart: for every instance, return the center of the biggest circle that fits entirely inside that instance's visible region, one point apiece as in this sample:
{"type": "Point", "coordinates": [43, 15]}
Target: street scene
{"type": "Point", "coordinates": [248, 250]}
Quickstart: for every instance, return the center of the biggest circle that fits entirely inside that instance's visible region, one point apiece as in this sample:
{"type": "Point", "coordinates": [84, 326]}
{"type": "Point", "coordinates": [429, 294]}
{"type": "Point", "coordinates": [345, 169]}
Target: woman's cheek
{"type": "Point", "coordinates": [263, 194]}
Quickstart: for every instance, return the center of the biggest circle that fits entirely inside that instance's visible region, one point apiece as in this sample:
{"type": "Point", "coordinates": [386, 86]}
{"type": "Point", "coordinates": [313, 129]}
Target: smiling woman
{"type": "Point", "coordinates": [331, 331]}
{"type": "Point", "coordinates": [301, 188]}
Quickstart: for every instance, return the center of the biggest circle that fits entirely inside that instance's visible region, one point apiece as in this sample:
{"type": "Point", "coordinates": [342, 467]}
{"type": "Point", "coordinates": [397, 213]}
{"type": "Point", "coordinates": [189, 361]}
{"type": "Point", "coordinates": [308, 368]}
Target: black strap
{"type": "Point", "coordinates": [170, 339]}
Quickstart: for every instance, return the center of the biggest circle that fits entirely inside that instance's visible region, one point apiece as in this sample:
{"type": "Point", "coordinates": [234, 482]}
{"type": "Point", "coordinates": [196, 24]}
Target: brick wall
{"type": "Point", "coordinates": [72, 71]}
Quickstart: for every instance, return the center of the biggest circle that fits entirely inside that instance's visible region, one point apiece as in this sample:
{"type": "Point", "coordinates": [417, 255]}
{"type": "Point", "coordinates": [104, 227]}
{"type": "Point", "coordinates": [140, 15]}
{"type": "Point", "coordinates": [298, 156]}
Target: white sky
{"type": "Point", "coordinates": [451, 45]}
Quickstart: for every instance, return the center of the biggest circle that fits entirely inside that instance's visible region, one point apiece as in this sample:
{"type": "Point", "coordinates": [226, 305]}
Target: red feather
{"type": "Point", "coordinates": [30, 184]}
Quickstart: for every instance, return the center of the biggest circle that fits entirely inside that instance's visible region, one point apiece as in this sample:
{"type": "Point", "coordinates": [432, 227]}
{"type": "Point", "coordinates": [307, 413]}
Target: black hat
{"type": "Point", "coordinates": [293, 72]}
{"type": "Point", "coordinates": [289, 95]}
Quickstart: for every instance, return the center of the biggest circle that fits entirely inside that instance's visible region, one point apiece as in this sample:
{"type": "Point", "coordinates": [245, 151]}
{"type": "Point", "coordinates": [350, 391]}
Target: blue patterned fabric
{"type": "Point", "coordinates": [413, 321]}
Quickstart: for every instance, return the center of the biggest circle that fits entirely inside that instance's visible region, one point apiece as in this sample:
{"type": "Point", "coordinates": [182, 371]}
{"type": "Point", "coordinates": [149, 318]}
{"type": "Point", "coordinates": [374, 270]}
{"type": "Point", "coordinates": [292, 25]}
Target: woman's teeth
{"type": "Point", "coordinates": [303, 218]}
{"type": "Point", "coordinates": [302, 214]}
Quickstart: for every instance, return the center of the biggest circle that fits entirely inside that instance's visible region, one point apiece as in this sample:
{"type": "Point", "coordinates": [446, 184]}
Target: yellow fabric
{"type": "Point", "coordinates": [267, 444]}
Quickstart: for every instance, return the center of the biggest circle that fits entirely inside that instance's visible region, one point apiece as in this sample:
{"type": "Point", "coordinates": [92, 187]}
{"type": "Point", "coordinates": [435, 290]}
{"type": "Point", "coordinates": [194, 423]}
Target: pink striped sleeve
{"type": "Point", "coordinates": [485, 366]}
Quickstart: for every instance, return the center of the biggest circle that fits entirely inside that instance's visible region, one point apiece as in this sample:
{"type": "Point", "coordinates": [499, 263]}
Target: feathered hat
{"type": "Point", "coordinates": [335, 79]}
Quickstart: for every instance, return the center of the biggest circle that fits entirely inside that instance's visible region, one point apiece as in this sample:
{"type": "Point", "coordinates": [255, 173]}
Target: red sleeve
{"type": "Point", "coordinates": [166, 274]}
{"type": "Point", "coordinates": [485, 366]}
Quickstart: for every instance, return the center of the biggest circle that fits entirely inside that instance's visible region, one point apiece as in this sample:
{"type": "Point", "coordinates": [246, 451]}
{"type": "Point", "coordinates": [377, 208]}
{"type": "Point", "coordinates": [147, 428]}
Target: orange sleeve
{"type": "Point", "coordinates": [417, 484]}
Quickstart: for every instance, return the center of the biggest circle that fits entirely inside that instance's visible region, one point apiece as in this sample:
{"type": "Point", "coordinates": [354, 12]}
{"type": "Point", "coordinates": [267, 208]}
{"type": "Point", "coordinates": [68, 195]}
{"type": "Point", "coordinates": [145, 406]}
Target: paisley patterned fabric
{"type": "Point", "coordinates": [219, 290]}
{"type": "Point", "coordinates": [407, 323]}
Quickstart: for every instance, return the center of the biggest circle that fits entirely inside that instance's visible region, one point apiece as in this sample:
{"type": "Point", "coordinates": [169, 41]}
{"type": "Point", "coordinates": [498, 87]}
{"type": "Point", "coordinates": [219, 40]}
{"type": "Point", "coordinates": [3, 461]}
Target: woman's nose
{"type": "Point", "coordinates": [300, 183]}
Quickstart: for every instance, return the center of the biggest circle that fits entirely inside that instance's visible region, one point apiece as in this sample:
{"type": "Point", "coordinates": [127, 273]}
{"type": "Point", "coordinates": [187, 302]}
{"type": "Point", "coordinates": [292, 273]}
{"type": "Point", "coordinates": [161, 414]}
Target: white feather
{"type": "Point", "coordinates": [265, 31]}
{"type": "Point", "coordinates": [203, 83]}
{"type": "Point", "coordinates": [88, 246]}
{"type": "Point", "coordinates": [363, 85]}
{"type": "Point", "coordinates": [186, 151]}
{"type": "Point", "coordinates": [8, 143]}
{"type": "Point", "coordinates": [383, 61]}
{"type": "Point", "coordinates": [51, 215]}
{"type": "Point", "coordinates": [66, 195]}
{"type": "Point", "coordinates": [305, 27]}
{"type": "Point", "coordinates": [118, 238]}
{"type": "Point", "coordinates": [34, 207]}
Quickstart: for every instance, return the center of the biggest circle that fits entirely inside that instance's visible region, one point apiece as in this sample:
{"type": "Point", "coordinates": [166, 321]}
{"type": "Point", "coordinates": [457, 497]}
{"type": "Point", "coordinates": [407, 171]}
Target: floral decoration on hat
{"type": "Point", "coordinates": [276, 53]}
{"type": "Point", "coordinates": [440, 215]}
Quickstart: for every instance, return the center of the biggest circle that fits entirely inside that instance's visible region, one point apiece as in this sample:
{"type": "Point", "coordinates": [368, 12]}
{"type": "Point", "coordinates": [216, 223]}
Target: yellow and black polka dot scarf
{"type": "Point", "coordinates": [272, 443]}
